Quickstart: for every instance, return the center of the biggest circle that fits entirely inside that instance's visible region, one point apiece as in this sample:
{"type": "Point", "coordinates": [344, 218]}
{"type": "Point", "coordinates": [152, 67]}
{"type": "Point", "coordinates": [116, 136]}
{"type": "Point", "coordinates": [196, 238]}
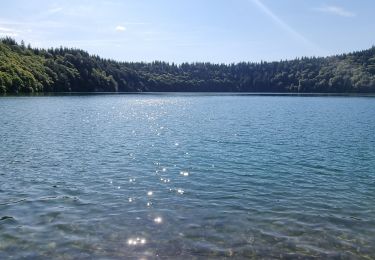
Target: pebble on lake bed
{"type": "Point", "coordinates": [52, 245]}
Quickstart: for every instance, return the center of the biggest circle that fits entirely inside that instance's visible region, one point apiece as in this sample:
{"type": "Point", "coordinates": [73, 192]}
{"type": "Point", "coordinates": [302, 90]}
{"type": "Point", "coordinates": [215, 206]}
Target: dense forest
{"type": "Point", "coordinates": [24, 69]}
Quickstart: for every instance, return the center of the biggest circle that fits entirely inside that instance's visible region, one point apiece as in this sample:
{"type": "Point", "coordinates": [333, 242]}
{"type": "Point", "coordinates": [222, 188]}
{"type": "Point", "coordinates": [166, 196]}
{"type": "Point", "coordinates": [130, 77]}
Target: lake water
{"type": "Point", "coordinates": [187, 176]}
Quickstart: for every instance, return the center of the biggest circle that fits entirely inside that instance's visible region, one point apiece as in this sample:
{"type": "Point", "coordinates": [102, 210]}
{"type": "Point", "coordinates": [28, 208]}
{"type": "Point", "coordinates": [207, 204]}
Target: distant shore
{"type": "Point", "coordinates": [191, 94]}
{"type": "Point", "coordinates": [31, 70]}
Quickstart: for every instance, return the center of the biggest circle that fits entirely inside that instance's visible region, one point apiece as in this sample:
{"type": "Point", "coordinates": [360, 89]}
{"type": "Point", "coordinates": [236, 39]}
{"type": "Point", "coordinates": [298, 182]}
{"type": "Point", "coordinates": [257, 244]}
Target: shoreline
{"type": "Point", "coordinates": [46, 94]}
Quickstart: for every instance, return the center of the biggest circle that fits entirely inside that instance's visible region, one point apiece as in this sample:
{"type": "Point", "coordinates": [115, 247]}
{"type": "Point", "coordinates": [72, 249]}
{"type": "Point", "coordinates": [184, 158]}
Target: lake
{"type": "Point", "coordinates": [187, 176]}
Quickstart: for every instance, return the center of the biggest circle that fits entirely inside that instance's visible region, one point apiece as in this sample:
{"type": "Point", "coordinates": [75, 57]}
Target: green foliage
{"type": "Point", "coordinates": [27, 69]}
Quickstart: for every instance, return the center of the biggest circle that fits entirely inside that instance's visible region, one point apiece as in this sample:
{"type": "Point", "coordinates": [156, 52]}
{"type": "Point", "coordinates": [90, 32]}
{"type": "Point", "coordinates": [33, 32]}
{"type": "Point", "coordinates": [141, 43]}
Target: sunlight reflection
{"type": "Point", "coordinates": [136, 241]}
{"type": "Point", "coordinates": [158, 220]}
{"type": "Point", "coordinates": [165, 180]}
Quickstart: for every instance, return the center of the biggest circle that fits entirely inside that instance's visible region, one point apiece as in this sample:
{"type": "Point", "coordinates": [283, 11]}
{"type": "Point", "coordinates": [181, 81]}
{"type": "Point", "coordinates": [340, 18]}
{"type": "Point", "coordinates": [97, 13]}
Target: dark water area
{"type": "Point", "coordinates": [187, 177]}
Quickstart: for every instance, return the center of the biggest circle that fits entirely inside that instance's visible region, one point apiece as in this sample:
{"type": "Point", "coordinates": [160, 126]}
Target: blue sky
{"type": "Point", "coordinates": [194, 30]}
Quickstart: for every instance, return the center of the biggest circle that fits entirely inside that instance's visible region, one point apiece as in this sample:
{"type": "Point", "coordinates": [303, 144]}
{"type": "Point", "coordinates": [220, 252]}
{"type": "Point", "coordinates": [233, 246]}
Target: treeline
{"type": "Point", "coordinates": [24, 69]}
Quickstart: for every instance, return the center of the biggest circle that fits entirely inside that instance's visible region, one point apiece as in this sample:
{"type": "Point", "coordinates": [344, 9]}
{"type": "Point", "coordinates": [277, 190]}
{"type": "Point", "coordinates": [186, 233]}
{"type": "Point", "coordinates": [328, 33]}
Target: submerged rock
{"type": "Point", "coordinates": [6, 217]}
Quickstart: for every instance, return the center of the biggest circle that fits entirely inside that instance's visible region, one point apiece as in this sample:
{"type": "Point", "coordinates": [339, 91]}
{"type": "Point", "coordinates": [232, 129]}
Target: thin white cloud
{"type": "Point", "coordinates": [286, 27]}
{"type": "Point", "coordinates": [54, 10]}
{"type": "Point", "coordinates": [335, 10]}
{"type": "Point", "coordinates": [120, 28]}
{"type": "Point", "coordinates": [2, 34]}
{"type": "Point", "coordinates": [68, 10]}
{"type": "Point", "coordinates": [8, 32]}
{"type": "Point", "coordinates": [136, 23]}
{"type": "Point", "coordinates": [3, 29]}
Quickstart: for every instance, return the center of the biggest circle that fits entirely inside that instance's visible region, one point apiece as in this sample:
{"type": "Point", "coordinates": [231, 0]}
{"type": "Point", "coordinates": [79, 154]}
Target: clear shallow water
{"type": "Point", "coordinates": [187, 176]}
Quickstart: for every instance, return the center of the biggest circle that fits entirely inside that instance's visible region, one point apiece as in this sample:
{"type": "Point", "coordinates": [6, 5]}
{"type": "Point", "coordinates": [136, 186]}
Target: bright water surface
{"type": "Point", "coordinates": [187, 176]}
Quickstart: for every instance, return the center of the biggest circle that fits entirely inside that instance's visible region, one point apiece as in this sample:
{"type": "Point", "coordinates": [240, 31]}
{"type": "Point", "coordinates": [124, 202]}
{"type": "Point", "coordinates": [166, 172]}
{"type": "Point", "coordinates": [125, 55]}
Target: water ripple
{"type": "Point", "coordinates": [129, 176]}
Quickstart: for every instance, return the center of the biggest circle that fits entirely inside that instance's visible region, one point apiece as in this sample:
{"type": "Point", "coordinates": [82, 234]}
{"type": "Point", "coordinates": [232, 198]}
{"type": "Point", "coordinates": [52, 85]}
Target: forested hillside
{"type": "Point", "coordinates": [24, 69]}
